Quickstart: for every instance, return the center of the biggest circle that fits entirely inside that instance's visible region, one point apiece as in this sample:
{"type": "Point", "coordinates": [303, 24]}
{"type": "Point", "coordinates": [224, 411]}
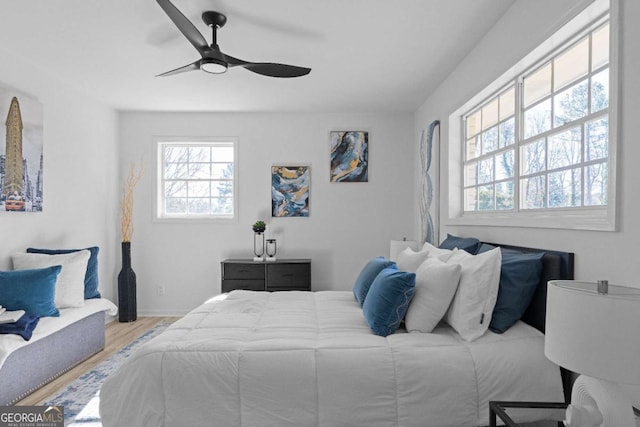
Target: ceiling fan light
{"type": "Point", "coordinates": [212, 65]}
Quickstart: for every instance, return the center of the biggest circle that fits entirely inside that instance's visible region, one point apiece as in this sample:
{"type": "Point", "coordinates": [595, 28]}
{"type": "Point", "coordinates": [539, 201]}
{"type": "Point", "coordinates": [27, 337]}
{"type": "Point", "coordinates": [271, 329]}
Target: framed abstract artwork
{"type": "Point", "coordinates": [290, 191]}
{"type": "Point", "coordinates": [349, 156]}
{"type": "Point", "coordinates": [21, 152]}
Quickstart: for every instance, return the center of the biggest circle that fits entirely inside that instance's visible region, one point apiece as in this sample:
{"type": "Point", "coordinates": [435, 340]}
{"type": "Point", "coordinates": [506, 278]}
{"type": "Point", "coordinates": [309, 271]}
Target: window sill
{"type": "Point", "coordinates": [597, 219]}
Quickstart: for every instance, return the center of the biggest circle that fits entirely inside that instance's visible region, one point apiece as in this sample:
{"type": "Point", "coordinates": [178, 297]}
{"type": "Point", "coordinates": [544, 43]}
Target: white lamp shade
{"type": "Point", "coordinates": [594, 334]}
{"type": "Point", "coordinates": [398, 246]}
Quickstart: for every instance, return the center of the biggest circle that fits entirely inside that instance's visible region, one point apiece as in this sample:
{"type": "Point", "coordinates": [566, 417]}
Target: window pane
{"type": "Point", "coordinates": [532, 192]}
{"type": "Point", "coordinates": [175, 171]}
{"type": "Point", "coordinates": [470, 199]}
{"type": "Point", "coordinates": [507, 103]}
{"type": "Point", "coordinates": [490, 140]}
{"type": "Point", "coordinates": [470, 175]}
{"type": "Point", "coordinates": [199, 154]}
{"type": "Point", "coordinates": [504, 195]}
{"type": "Point", "coordinates": [176, 154]}
{"type": "Point", "coordinates": [571, 65]}
{"type": "Point", "coordinates": [506, 133]}
{"type": "Point", "coordinates": [490, 114]}
{"type": "Point", "coordinates": [571, 104]}
{"type": "Point", "coordinates": [199, 170]}
{"type": "Point", "coordinates": [533, 157]}
{"type": "Point", "coordinates": [473, 147]}
{"type": "Point", "coordinates": [596, 182]}
{"type": "Point", "coordinates": [537, 85]}
{"type": "Point", "coordinates": [600, 47]}
{"type": "Point", "coordinates": [485, 198]}
{"type": "Point", "coordinates": [175, 205]}
{"type": "Point", "coordinates": [504, 165]}
{"type": "Point", "coordinates": [175, 189]}
{"type": "Point", "coordinates": [565, 148]}
{"type": "Point", "coordinates": [198, 189]}
{"type": "Point", "coordinates": [565, 189]}
{"type": "Point", "coordinates": [222, 188]}
{"type": "Point", "coordinates": [222, 170]}
{"type": "Point", "coordinates": [597, 140]}
{"type": "Point", "coordinates": [222, 206]}
{"type": "Point", "coordinates": [537, 119]}
{"type": "Point", "coordinates": [199, 206]}
{"type": "Point", "coordinates": [222, 154]}
{"type": "Point", "coordinates": [600, 91]}
{"type": "Point", "coordinates": [473, 124]}
{"type": "Point", "coordinates": [485, 171]}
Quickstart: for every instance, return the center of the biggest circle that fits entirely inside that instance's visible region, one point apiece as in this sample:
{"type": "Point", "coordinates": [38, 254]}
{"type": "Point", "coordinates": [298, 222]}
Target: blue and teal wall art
{"type": "Point", "coordinates": [349, 156]}
{"type": "Point", "coordinates": [290, 191]}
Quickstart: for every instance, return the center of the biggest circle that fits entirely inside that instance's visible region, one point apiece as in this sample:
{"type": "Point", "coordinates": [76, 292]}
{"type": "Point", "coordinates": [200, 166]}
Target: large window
{"type": "Point", "coordinates": [540, 143]}
{"type": "Point", "coordinates": [196, 179]}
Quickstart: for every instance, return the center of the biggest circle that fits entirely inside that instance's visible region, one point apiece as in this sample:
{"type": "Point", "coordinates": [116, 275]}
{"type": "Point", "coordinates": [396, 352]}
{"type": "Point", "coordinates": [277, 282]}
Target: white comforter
{"type": "Point", "coordinates": [48, 325]}
{"type": "Point", "coordinates": [309, 359]}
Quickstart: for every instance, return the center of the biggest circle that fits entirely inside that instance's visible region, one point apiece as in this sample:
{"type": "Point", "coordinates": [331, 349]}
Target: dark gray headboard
{"type": "Point", "coordinates": [556, 265]}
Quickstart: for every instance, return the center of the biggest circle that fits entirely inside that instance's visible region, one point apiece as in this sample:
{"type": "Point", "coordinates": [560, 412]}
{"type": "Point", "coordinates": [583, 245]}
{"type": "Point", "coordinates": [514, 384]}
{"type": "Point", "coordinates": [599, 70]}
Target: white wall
{"type": "Point", "coordinates": [80, 174]}
{"type": "Point", "coordinates": [348, 223]}
{"type": "Point", "coordinates": [599, 255]}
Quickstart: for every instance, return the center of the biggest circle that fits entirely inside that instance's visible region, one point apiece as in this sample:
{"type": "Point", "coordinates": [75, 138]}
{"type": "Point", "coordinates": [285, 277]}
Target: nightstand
{"type": "Point", "coordinates": [552, 413]}
{"type": "Point", "coordinates": [279, 275]}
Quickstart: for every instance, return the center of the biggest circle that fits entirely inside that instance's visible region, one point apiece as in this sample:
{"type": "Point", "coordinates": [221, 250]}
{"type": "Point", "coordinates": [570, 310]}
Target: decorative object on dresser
{"type": "Point", "coordinates": [279, 275]}
{"type": "Point", "coordinates": [594, 330]}
{"type": "Point", "coordinates": [127, 304]}
{"type": "Point", "coordinates": [258, 240]}
{"type": "Point", "coordinates": [271, 250]}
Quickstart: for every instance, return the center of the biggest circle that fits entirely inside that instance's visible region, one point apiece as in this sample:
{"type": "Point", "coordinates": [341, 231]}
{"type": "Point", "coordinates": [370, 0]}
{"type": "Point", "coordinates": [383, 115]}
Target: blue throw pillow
{"type": "Point", "coordinates": [469, 244]}
{"type": "Point", "coordinates": [520, 276]}
{"type": "Point", "coordinates": [33, 291]}
{"type": "Point", "coordinates": [91, 276]}
{"type": "Point", "coordinates": [388, 300]}
{"type": "Point", "coordinates": [367, 275]}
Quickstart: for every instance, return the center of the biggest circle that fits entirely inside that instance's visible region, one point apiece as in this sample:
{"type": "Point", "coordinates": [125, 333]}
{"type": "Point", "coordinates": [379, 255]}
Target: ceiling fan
{"type": "Point", "coordinates": [212, 59]}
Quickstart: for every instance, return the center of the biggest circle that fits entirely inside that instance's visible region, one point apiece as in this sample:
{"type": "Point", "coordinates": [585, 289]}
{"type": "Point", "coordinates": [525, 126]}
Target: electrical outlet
{"type": "Point", "coordinates": [160, 290]}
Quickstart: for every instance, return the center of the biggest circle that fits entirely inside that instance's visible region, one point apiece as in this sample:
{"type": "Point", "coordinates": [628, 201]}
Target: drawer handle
{"type": "Point", "coordinates": [287, 275]}
{"type": "Point", "coordinates": [243, 270]}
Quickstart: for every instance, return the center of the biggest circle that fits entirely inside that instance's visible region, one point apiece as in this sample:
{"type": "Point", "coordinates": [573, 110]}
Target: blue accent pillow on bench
{"type": "Point", "coordinates": [90, 278]}
{"type": "Point", "coordinates": [33, 290]}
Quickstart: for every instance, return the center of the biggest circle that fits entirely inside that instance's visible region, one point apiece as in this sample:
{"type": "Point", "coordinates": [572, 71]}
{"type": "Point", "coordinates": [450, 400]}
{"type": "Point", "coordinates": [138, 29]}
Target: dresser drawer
{"type": "Point", "coordinates": [289, 276]}
{"type": "Point", "coordinates": [249, 285]}
{"type": "Point", "coordinates": [243, 271]}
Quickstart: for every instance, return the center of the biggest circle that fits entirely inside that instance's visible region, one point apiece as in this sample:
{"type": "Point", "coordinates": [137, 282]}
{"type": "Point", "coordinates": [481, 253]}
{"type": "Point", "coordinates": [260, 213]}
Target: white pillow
{"type": "Point", "coordinates": [432, 251]}
{"type": "Point", "coordinates": [436, 283]}
{"type": "Point", "coordinates": [70, 282]}
{"type": "Point", "coordinates": [472, 306]}
{"type": "Point", "coordinates": [409, 260]}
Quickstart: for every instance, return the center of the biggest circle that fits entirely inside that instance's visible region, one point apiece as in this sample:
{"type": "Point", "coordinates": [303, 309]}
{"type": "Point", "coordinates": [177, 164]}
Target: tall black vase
{"type": "Point", "coordinates": [127, 305]}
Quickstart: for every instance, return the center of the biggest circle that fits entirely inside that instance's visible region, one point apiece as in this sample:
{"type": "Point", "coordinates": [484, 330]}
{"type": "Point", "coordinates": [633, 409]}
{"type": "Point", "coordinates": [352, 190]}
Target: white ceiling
{"type": "Point", "coordinates": [365, 55]}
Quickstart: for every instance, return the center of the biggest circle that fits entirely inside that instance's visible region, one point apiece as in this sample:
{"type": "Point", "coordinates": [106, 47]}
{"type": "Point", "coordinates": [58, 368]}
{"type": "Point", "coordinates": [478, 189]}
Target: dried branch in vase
{"type": "Point", "coordinates": [126, 220]}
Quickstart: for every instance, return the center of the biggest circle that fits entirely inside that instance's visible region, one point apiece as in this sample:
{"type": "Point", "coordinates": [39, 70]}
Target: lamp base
{"type": "Point", "coordinates": [270, 258]}
{"type": "Point", "coordinates": [258, 259]}
{"type": "Point", "coordinates": [599, 403]}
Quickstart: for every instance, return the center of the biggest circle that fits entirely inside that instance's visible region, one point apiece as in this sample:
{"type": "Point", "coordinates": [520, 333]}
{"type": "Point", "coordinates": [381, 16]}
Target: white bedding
{"type": "Point", "coordinates": [309, 359]}
{"type": "Point", "coordinates": [48, 325]}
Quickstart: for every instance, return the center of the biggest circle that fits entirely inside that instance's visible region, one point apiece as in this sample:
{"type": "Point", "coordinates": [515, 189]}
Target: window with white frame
{"type": "Point", "coordinates": [196, 179]}
{"type": "Point", "coordinates": [540, 143]}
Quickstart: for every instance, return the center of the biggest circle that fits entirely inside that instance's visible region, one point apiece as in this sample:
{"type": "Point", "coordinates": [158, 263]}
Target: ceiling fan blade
{"type": "Point", "coordinates": [185, 26]}
{"type": "Point", "coordinates": [276, 70]}
{"type": "Point", "coordinates": [189, 67]}
{"type": "Point", "coordinates": [268, 68]}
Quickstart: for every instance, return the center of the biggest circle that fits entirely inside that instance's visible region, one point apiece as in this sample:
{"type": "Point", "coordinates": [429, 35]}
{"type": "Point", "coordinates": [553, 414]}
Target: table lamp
{"type": "Point", "coordinates": [593, 329]}
{"type": "Point", "coordinates": [397, 246]}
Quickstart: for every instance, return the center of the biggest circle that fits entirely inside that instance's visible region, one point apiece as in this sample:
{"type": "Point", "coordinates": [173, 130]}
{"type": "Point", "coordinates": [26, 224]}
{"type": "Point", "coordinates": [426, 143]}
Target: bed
{"type": "Point", "coordinates": [310, 359]}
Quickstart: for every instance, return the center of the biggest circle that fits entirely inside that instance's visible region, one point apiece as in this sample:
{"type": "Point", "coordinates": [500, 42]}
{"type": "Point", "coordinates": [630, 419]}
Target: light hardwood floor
{"type": "Point", "coordinates": [117, 336]}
